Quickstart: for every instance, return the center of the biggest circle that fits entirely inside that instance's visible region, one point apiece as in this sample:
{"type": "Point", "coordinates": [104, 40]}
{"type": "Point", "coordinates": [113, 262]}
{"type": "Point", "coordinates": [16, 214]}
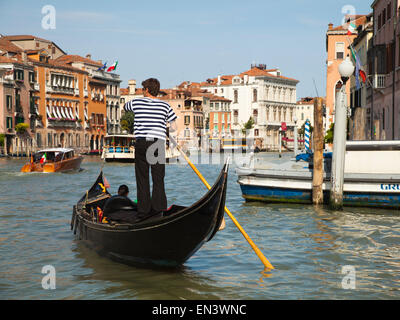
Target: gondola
{"type": "Point", "coordinates": [160, 241]}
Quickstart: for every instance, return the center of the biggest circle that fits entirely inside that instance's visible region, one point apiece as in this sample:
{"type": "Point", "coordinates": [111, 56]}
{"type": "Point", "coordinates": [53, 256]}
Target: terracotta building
{"type": "Point", "coordinates": [337, 48]}
{"type": "Point", "coordinates": [63, 98]}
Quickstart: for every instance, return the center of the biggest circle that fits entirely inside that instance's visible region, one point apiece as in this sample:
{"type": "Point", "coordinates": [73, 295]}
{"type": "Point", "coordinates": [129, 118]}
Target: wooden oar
{"type": "Point", "coordinates": [263, 259]}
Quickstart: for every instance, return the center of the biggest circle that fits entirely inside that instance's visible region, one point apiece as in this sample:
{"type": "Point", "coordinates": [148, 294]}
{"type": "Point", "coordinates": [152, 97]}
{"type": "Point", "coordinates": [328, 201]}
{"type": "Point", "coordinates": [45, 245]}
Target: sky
{"type": "Point", "coordinates": [178, 41]}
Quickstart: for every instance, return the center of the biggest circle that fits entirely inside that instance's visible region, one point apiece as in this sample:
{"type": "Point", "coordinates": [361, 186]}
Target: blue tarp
{"type": "Point", "coordinates": [308, 157]}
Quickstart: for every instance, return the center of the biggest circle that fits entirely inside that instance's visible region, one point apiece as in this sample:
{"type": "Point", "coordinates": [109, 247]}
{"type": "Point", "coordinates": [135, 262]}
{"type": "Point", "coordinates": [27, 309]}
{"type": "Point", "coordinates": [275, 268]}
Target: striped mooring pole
{"type": "Point", "coordinates": [307, 135]}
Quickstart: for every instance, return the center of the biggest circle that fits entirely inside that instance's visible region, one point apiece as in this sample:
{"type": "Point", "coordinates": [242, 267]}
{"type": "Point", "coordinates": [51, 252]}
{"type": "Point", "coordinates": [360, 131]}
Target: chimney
{"type": "Point", "coordinates": [330, 26]}
{"type": "Point", "coordinates": [132, 86]}
{"type": "Point", "coordinates": [219, 80]}
{"type": "Point", "coordinates": [246, 78]}
{"type": "Point", "coordinates": [89, 56]}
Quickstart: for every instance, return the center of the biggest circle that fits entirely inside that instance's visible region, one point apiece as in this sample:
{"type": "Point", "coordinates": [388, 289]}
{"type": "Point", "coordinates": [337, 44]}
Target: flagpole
{"type": "Point", "coordinates": [356, 60]}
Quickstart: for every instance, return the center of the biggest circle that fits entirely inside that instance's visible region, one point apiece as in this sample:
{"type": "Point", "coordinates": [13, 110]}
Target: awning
{"type": "Point", "coordinates": [63, 113]}
{"type": "Point", "coordinates": [48, 112]}
{"type": "Point", "coordinates": [58, 113]}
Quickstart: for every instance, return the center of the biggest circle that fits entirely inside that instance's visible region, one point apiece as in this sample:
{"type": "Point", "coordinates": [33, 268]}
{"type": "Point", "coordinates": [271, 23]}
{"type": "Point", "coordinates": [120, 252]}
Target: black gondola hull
{"type": "Point", "coordinates": [167, 241]}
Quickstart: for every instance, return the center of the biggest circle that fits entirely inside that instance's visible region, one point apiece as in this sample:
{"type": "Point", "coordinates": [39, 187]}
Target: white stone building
{"type": "Point", "coordinates": [265, 95]}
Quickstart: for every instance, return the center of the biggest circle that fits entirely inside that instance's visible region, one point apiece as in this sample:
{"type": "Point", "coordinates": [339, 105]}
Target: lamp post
{"type": "Point", "coordinates": [295, 136]}
{"type": "Point", "coordinates": [346, 69]}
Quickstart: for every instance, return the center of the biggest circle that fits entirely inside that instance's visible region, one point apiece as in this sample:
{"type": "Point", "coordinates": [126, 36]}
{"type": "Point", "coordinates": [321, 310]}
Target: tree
{"type": "Point", "coordinates": [127, 121]}
{"type": "Point", "coordinates": [248, 125]}
{"type": "Point", "coordinates": [21, 128]}
{"type": "Point", "coordinates": [329, 134]}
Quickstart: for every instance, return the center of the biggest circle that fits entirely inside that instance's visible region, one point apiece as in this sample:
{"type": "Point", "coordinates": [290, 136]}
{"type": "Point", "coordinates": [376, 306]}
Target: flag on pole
{"type": "Point", "coordinates": [113, 67]}
{"type": "Point", "coordinates": [359, 69]}
{"type": "Point", "coordinates": [352, 29]}
{"type": "Point", "coordinates": [103, 67]}
{"type": "Point", "coordinates": [43, 159]}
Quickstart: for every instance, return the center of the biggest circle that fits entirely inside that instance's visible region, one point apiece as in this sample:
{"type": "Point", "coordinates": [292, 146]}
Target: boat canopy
{"type": "Point", "coordinates": [63, 150]}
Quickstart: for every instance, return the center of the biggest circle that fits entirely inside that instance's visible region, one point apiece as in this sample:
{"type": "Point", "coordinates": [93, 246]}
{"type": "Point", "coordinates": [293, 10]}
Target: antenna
{"type": "Point", "coordinates": [315, 85]}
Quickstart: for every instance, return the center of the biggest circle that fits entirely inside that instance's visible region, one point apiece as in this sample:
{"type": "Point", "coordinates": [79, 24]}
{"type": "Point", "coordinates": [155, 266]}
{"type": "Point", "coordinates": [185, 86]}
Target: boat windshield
{"type": "Point", "coordinates": [50, 156]}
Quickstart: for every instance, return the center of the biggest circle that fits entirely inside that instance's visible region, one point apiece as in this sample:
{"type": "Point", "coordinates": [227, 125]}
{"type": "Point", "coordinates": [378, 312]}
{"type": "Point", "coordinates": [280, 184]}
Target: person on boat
{"type": "Point", "coordinates": [123, 191]}
{"type": "Point", "coordinates": [150, 128]}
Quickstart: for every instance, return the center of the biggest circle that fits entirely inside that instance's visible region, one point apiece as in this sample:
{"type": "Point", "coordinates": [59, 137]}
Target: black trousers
{"type": "Point", "coordinates": [150, 155]}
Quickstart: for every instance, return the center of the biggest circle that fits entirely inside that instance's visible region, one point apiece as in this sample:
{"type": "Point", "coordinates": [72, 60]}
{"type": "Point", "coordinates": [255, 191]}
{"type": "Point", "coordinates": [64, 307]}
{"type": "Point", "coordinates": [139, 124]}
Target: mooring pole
{"type": "Point", "coordinates": [280, 143]}
{"type": "Point", "coordinates": [346, 69]}
{"type": "Point", "coordinates": [318, 165]}
{"type": "Point", "coordinates": [296, 147]}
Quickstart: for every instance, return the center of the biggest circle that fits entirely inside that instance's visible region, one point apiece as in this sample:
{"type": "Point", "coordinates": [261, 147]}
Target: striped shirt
{"type": "Point", "coordinates": [151, 117]}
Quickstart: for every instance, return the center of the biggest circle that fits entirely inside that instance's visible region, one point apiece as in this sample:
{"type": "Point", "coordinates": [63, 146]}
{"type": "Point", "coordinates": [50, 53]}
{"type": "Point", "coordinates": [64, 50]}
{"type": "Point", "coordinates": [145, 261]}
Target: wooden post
{"type": "Point", "coordinates": [318, 144]}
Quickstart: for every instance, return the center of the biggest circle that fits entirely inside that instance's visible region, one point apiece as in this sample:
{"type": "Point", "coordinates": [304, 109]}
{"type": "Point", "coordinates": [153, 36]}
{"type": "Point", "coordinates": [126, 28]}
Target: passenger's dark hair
{"type": "Point", "coordinates": [153, 85]}
{"type": "Point", "coordinates": [123, 190]}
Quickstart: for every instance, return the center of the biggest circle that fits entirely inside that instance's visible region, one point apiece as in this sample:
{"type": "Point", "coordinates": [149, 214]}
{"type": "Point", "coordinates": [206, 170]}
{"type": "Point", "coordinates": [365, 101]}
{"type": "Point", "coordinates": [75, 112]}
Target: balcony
{"type": "Point", "coordinates": [378, 81]}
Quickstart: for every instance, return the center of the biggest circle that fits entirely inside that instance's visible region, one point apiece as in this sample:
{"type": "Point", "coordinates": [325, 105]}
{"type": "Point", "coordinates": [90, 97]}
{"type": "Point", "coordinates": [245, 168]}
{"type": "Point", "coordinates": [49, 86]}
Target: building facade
{"type": "Point", "coordinates": [17, 88]}
{"type": "Point", "coordinates": [261, 94]}
{"type": "Point", "coordinates": [65, 99]}
{"type": "Point", "coordinates": [360, 94]}
{"type": "Point", "coordinates": [383, 69]}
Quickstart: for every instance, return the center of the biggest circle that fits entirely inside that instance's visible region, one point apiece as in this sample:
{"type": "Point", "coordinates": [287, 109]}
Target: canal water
{"type": "Point", "coordinates": [309, 247]}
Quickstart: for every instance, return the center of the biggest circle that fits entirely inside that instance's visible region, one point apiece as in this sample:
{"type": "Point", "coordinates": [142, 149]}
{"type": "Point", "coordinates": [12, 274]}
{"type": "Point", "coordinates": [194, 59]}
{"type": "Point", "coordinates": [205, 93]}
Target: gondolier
{"type": "Point", "coordinates": [150, 129]}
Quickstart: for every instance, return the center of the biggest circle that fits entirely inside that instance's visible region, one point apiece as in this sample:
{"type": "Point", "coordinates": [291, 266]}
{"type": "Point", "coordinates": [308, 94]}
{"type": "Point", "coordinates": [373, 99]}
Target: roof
{"type": "Point", "coordinates": [253, 72]}
{"type": "Point", "coordinates": [29, 37]}
{"type": "Point", "coordinates": [357, 20]}
{"type": "Point", "coordinates": [69, 58]}
{"type": "Point", "coordinates": [9, 60]}
{"type": "Point", "coordinates": [124, 91]}
{"type": "Point", "coordinates": [56, 150]}
{"type": "Point", "coordinates": [8, 46]}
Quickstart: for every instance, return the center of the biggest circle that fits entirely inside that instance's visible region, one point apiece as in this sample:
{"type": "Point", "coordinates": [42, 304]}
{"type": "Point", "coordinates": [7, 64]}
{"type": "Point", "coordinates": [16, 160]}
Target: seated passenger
{"type": "Point", "coordinates": [120, 208]}
{"type": "Point", "coordinates": [123, 190]}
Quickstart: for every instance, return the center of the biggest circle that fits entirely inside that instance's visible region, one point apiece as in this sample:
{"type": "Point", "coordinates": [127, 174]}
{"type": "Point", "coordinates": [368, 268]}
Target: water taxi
{"type": "Point", "coordinates": [53, 160]}
{"type": "Point", "coordinates": [120, 148]}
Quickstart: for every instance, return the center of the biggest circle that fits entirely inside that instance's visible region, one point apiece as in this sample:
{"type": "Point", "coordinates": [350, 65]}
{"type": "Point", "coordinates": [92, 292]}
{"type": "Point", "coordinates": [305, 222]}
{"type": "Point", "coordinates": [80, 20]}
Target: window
{"type": "Point", "coordinates": [211, 105]}
{"type": "Point", "coordinates": [255, 116]}
{"type": "Point", "coordinates": [31, 76]}
{"type": "Point", "coordinates": [187, 120]}
{"type": "Point", "coordinates": [9, 102]}
{"type": "Point", "coordinates": [384, 17]}
{"type": "Point", "coordinates": [9, 123]}
{"type": "Point", "coordinates": [235, 116]}
{"type": "Point", "coordinates": [254, 95]}
{"type": "Point", "coordinates": [39, 140]}
{"type": "Point", "coordinates": [49, 140]}
{"type": "Point", "coordinates": [379, 21]}
{"type": "Point", "coordinates": [235, 96]}
{"type": "Point", "coordinates": [19, 74]}
{"type": "Point", "coordinates": [217, 106]}
{"type": "Point", "coordinates": [256, 132]}
{"type": "Point", "coordinates": [339, 50]}
{"type": "Point", "coordinates": [389, 10]}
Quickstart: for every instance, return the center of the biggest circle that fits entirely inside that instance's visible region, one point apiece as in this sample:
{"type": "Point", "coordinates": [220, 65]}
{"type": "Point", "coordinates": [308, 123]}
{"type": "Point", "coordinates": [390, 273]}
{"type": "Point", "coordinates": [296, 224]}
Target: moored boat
{"type": "Point", "coordinates": [371, 178]}
{"type": "Point", "coordinates": [167, 241]}
{"type": "Point", "coordinates": [53, 160]}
